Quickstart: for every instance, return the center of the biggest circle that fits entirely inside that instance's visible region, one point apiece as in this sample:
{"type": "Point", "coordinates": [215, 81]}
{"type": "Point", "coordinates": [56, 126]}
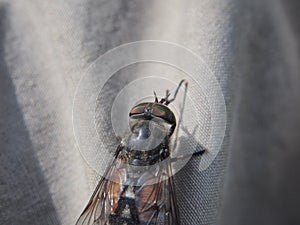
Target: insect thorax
{"type": "Point", "coordinates": [147, 142]}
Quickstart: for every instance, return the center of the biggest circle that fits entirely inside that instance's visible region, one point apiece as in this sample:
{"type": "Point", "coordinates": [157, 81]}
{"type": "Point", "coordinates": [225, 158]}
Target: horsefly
{"type": "Point", "coordinates": [137, 188]}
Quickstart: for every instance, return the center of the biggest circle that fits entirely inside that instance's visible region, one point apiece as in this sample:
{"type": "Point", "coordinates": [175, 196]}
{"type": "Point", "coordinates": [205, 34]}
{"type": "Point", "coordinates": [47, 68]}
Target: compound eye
{"type": "Point", "coordinates": [164, 113]}
{"type": "Point", "coordinates": [158, 112]}
{"type": "Point", "coordinates": [139, 109]}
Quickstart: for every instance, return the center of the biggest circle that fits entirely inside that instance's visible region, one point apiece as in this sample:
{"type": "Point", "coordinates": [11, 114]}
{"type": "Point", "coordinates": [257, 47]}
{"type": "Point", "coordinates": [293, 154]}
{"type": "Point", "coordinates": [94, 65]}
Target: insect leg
{"type": "Point", "coordinates": [176, 91]}
{"type": "Point", "coordinates": [155, 97]}
{"type": "Point", "coordinates": [200, 151]}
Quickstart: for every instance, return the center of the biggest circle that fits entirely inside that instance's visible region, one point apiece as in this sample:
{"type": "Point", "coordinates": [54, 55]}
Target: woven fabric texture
{"type": "Point", "coordinates": [251, 46]}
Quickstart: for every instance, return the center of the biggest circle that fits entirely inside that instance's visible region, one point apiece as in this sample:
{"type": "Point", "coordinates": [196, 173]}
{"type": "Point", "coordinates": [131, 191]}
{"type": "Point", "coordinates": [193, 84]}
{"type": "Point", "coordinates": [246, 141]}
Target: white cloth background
{"type": "Point", "coordinates": [252, 47]}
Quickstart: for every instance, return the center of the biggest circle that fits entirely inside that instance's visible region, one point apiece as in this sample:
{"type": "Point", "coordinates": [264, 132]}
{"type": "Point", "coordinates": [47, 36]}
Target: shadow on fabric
{"type": "Point", "coordinates": [24, 194]}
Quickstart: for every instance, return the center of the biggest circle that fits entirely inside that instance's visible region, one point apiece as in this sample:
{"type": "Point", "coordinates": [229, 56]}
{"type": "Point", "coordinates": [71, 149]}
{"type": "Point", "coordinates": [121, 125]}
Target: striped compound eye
{"type": "Point", "coordinates": [157, 110]}
{"type": "Point", "coordinates": [139, 109]}
{"type": "Point", "coordinates": [163, 112]}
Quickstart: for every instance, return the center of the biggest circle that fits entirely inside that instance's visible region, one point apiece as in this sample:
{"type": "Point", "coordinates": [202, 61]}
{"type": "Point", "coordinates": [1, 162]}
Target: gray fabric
{"type": "Point", "coordinates": [251, 46]}
{"type": "Point", "coordinates": [262, 185]}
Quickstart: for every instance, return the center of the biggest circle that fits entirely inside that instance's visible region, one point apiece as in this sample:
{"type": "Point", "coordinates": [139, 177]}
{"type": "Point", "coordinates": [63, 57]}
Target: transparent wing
{"type": "Point", "coordinates": [91, 213]}
{"type": "Point", "coordinates": [151, 201]}
{"type": "Point", "coordinates": [157, 200]}
{"type": "Point", "coordinates": [100, 205]}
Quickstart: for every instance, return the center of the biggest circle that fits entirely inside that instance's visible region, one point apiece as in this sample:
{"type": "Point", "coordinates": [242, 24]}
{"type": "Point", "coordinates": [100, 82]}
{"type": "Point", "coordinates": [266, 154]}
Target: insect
{"type": "Point", "coordinates": [137, 188]}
